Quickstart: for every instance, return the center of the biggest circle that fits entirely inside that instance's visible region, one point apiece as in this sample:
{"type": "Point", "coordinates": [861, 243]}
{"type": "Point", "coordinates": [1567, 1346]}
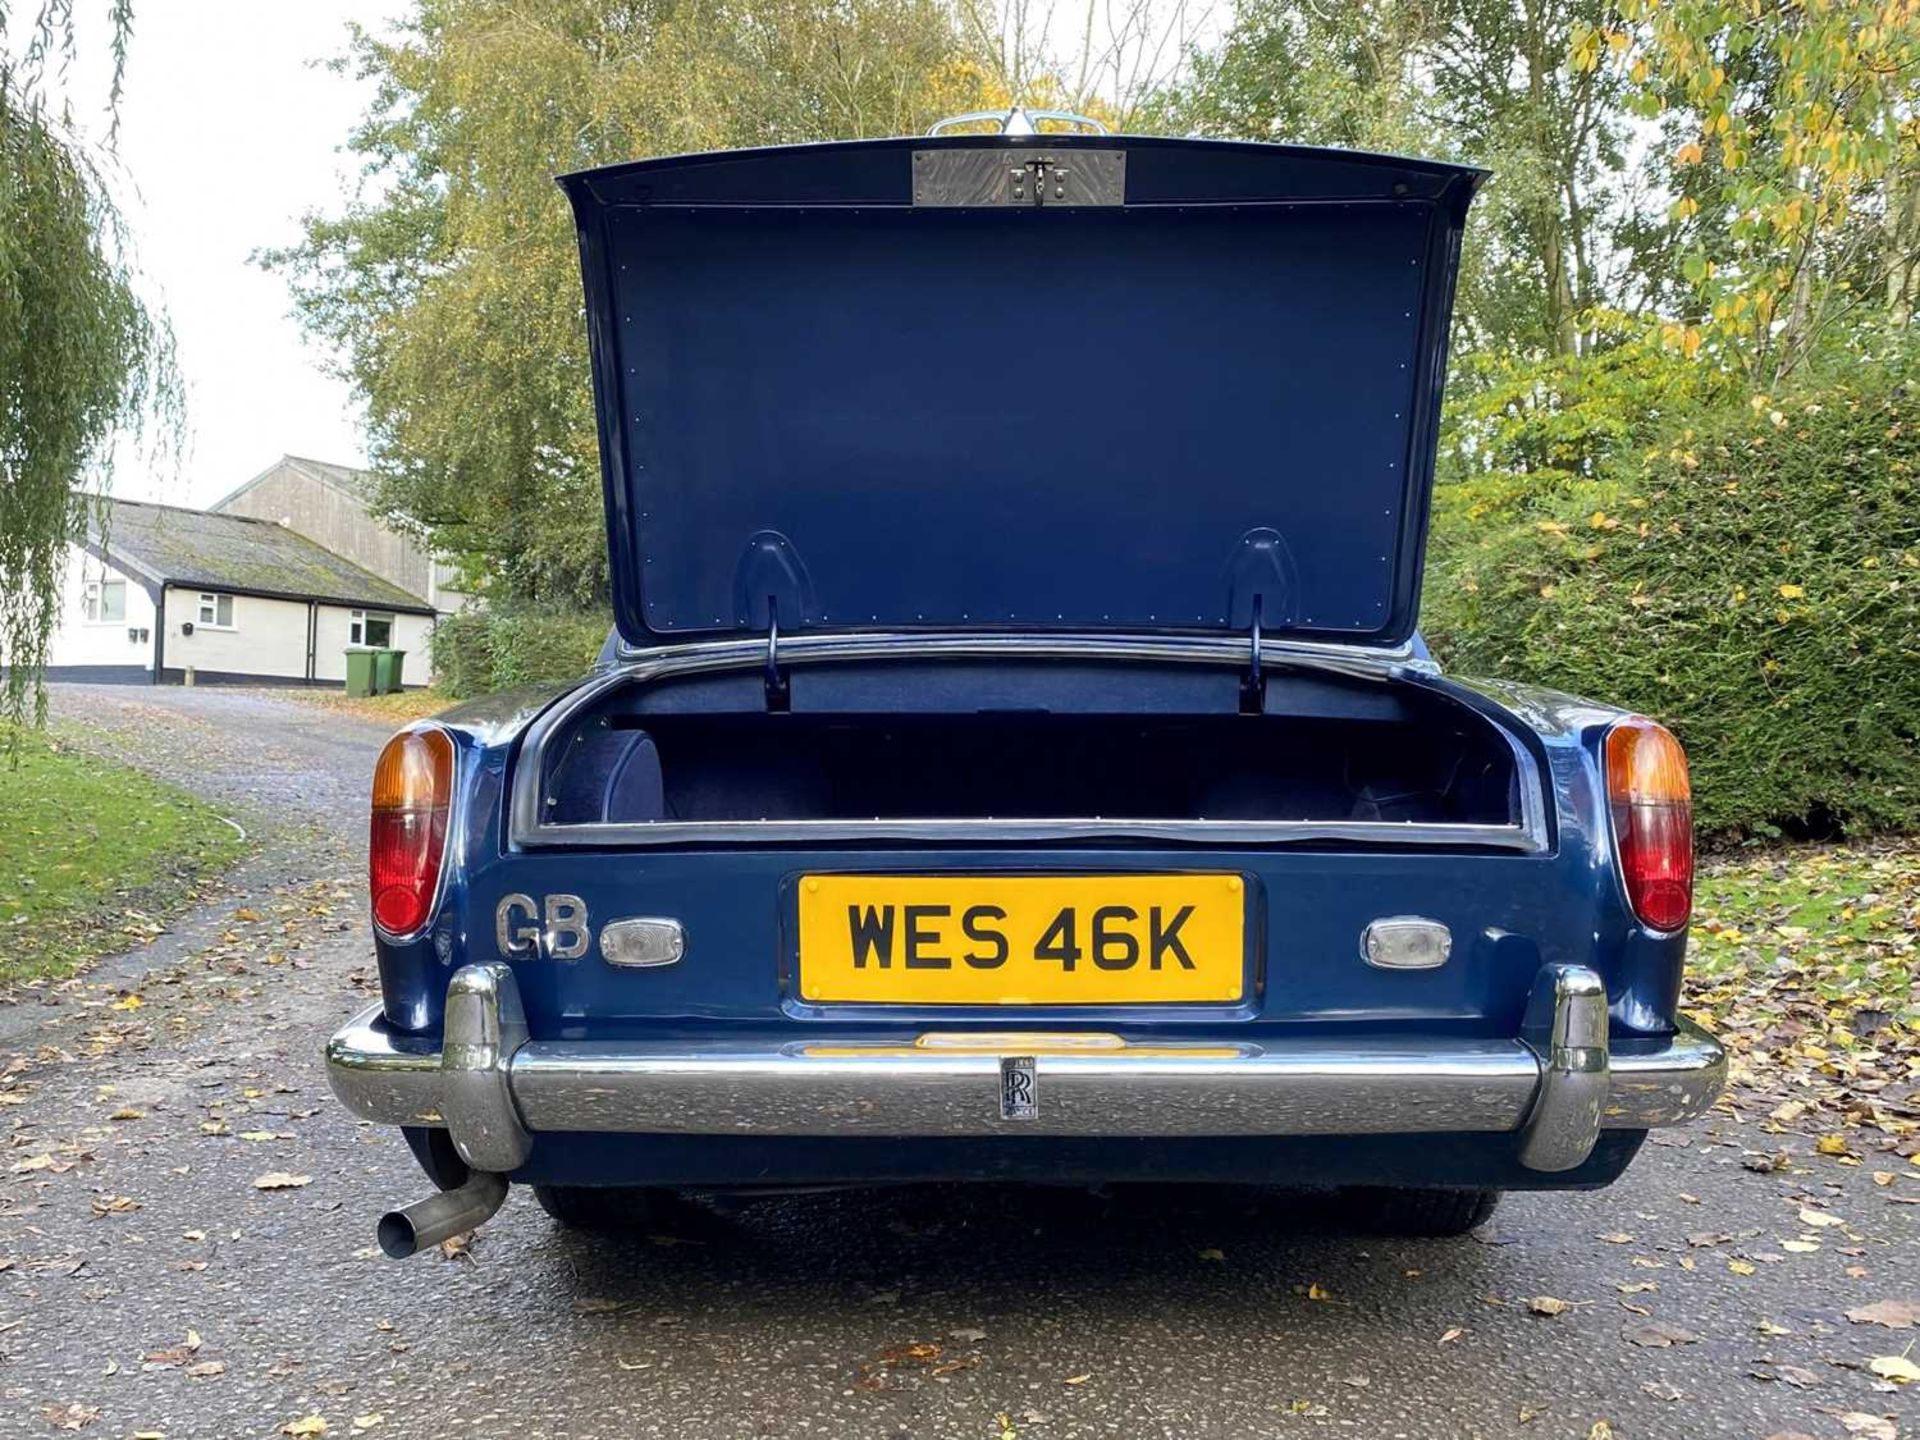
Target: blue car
{"type": "Point", "coordinates": [1015, 758]}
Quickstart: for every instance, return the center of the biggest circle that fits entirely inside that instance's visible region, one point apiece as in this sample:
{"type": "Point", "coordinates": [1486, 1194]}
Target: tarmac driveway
{"type": "Point", "coordinates": [186, 1240]}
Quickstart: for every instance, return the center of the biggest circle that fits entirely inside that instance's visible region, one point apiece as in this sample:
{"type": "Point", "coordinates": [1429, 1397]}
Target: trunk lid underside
{"type": "Point", "coordinates": [1204, 400]}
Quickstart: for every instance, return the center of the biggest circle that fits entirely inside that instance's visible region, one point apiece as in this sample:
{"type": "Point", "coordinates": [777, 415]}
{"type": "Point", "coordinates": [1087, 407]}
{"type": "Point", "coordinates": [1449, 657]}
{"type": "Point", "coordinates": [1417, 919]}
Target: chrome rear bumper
{"type": "Point", "coordinates": [1558, 1084]}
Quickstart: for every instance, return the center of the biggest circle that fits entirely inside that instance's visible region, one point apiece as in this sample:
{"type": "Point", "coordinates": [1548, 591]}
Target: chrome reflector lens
{"type": "Point", "coordinates": [1406, 942]}
{"type": "Point", "coordinates": [643, 942]}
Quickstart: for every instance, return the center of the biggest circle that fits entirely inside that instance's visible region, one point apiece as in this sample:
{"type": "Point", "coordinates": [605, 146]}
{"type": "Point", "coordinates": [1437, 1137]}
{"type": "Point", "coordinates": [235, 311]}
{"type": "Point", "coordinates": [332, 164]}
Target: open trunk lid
{"type": "Point", "coordinates": [1019, 382]}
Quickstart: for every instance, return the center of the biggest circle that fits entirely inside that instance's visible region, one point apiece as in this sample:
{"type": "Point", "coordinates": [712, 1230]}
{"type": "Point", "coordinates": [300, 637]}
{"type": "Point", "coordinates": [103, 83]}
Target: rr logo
{"type": "Point", "coordinates": [522, 931]}
{"type": "Point", "coordinates": [1019, 1095]}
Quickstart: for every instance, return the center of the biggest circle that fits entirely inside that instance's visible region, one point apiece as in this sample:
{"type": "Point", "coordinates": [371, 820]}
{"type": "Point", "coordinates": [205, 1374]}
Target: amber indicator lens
{"type": "Point", "coordinates": [412, 786]}
{"type": "Point", "coordinates": [1652, 807]}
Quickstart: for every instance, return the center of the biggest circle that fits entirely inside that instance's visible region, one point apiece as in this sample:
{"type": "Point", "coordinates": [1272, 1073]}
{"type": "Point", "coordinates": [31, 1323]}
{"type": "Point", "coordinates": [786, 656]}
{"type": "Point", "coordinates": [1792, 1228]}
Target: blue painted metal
{"type": "Point", "coordinates": [822, 405]}
{"type": "Point", "coordinates": [1509, 914]}
{"type": "Point", "coordinates": [822, 409]}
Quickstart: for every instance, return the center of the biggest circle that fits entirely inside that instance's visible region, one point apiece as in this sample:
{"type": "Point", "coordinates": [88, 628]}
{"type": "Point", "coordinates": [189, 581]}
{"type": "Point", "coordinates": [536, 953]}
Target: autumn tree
{"type": "Point", "coordinates": [82, 358]}
{"type": "Point", "coordinates": [1484, 81]}
{"type": "Point", "coordinates": [1793, 155]}
{"type": "Point", "coordinates": [449, 287]}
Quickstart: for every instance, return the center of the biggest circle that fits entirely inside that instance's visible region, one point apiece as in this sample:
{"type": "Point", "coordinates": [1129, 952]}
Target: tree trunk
{"type": "Point", "coordinates": [1903, 239]}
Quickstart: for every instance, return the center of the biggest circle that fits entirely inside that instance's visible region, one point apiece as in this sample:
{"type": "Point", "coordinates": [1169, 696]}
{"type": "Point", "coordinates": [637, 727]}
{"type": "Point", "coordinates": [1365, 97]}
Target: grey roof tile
{"type": "Point", "coordinates": [236, 552]}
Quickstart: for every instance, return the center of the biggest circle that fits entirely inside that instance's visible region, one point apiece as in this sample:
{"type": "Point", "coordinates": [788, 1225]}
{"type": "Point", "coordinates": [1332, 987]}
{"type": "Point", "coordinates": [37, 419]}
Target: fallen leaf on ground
{"type": "Point", "coordinates": [1657, 1335]}
{"type": "Point", "coordinates": [1818, 1218]}
{"type": "Point", "coordinates": [1894, 1314]}
{"type": "Point", "coordinates": [281, 1180]}
{"type": "Point", "coordinates": [1872, 1427]}
{"type": "Point", "coordinates": [1077, 1379]}
{"type": "Point", "coordinates": [1548, 1305]}
{"type": "Point", "coordinates": [1212, 1254]}
{"type": "Point", "coordinates": [305, 1426]}
{"type": "Point", "coordinates": [1897, 1368]}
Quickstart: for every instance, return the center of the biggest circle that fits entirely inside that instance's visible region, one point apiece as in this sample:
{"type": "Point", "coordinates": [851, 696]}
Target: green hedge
{"type": "Point", "coordinates": [1748, 574]}
{"type": "Point", "coordinates": [501, 647]}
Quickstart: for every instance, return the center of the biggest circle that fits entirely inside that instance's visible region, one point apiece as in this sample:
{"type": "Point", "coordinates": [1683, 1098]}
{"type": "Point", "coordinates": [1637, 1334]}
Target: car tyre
{"type": "Point", "coordinates": [605, 1209]}
{"type": "Point", "coordinates": [1433, 1213]}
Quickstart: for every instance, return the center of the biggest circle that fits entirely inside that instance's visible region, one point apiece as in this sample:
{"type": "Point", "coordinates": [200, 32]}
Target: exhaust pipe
{"type": "Point", "coordinates": [426, 1223]}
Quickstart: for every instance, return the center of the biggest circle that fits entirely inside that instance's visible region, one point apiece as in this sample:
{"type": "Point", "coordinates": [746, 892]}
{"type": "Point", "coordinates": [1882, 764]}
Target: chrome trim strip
{"type": "Point", "coordinates": [1366, 660]}
{"type": "Point", "coordinates": [1386, 1085]}
{"type": "Point", "coordinates": [967, 832]}
{"type": "Point", "coordinates": [527, 830]}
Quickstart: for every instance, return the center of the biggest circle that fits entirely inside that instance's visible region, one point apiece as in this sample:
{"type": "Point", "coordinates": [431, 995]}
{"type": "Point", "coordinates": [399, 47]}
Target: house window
{"type": "Point", "coordinates": [216, 611]}
{"type": "Point", "coordinates": [105, 602]}
{"type": "Point", "coordinates": [373, 628]}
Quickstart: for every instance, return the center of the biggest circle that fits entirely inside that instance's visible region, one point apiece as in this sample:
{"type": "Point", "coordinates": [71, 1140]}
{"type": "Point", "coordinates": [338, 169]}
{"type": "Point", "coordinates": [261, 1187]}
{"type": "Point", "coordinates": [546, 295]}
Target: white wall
{"type": "Point", "coordinates": [268, 638]}
{"type": "Point", "coordinates": [410, 633]}
{"type": "Point", "coordinates": [79, 641]}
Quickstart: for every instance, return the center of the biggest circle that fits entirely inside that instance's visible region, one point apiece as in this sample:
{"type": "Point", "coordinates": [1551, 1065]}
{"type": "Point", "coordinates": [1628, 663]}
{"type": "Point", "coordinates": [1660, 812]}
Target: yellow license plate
{"type": "Point", "coordinates": [1022, 939]}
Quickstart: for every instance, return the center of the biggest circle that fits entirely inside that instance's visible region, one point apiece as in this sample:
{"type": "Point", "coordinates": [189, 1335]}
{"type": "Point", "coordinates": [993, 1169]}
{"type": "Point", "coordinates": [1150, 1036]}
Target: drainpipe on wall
{"type": "Point", "coordinates": [313, 639]}
{"type": "Point", "coordinates": [160, 636]}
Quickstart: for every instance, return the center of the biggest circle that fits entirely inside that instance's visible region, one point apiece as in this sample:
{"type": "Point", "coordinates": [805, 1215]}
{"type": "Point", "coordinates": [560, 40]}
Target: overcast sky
{"type": "Point", "coordinates": [228, 133]}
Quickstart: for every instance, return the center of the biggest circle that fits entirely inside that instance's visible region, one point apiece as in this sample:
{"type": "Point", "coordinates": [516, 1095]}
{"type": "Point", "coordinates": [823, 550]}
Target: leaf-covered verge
{"type": "Point", "coordinates": [1743, 567]}
{"type": "Point", "coordinates": [94, 857]}
{"type": "Point", "coordinates": [402, 707]}
{"type": "Point", "coordinates": [1803, 962]}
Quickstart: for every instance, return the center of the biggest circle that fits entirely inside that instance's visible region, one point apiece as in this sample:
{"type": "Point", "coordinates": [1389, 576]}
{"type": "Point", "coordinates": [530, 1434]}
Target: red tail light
{"type": "Point", "coordinates": [412, 787]}
{"type": "Point", "coordinates": [1652, 805]}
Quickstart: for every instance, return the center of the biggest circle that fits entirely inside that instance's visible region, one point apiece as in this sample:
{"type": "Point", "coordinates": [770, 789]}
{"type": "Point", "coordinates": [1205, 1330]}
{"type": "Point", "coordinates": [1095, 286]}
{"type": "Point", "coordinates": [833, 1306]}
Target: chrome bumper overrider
{"type": "Point", "coordinates": [1558, 1084]}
